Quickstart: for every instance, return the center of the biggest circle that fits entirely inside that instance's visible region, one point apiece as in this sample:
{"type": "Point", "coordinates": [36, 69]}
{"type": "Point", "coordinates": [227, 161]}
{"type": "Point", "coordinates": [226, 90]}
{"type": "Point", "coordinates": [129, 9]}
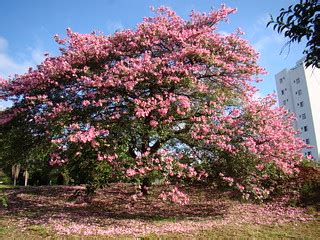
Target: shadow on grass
{"type": "Point", "coordinates": [38, 204]}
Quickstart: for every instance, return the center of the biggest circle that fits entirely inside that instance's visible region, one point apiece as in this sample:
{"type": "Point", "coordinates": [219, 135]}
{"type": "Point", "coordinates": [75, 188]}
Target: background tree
{"type": "Point", "coordinates": [21, 145]}
{"type": "Point", "coordinates": [171, 99]}
{"type": "Point", "coordinates": [301, 22]}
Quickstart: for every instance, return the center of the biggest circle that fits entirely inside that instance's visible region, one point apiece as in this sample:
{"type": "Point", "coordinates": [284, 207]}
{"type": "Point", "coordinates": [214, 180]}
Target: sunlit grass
{"type": "Point", "coordinates": [309, 230]}
{"type": "Point", "coordinates": [5, 186]}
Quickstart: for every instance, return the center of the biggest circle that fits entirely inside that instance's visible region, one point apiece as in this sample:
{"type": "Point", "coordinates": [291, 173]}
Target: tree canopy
{"type": "Point", "coordinates": [172, 99]}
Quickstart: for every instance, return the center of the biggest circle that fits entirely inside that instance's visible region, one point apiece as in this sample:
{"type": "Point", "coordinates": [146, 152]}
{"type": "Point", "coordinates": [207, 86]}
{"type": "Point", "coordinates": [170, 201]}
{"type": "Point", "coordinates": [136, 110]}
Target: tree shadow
{"type": "Point", "coordinates": [36, 205]}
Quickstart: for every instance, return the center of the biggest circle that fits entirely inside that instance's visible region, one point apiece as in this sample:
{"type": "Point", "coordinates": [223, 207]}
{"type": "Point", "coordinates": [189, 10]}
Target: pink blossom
{"type": "Point", "coordinates": [130, 172]}
{"type": "Point", "coordinates": [153, 123]}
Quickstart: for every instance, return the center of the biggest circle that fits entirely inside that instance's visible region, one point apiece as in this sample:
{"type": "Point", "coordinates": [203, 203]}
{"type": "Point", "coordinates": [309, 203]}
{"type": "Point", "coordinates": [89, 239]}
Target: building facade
{"type": "Point", "coordinates": [299, 91]}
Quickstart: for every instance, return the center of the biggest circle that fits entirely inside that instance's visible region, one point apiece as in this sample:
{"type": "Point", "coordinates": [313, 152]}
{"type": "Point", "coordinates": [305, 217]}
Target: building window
{"type": "Point", "coordinates": [300, 104]}
{"type": "Point", "coordinates": [307, 141]}
{"type": "Point", "coordinates": [299, 92]}
{"type": "Point", "coordinates": [297, 80]}
{"type": "Point", "coordinates": [305, 128]}
{"type": "Point", "coordinates": [282, 92]}
{"type": "Point", "coordinates": [309, 153]}
{"type": "Point", "coordinates": [281, 80]}
{"type": "Point", "coordinates": [303, 116]}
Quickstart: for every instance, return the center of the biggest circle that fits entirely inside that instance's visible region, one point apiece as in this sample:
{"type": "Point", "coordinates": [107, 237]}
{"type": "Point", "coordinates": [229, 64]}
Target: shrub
{"type": "Point", "coordinates": [309, 178]}
{"type": "Point", "coordinates": [3, 199]}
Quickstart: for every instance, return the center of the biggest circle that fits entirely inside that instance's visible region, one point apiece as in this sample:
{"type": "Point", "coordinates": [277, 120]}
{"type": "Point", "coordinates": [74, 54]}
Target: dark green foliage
{"type": "Point", "coordinates": [4, 179]}
{"type": "Point", "coordinates": [243, 171]}
{"type": "Point", "coordinates": [3, 199]}
{"type": "Point", "coordinates": [298, 22]}
{"type": "Point", "coordinates": [21, 144]}
{"type": "Point", "coordinates": [310, 187]}
{"type": "Point", "coordinates": [302, 188]}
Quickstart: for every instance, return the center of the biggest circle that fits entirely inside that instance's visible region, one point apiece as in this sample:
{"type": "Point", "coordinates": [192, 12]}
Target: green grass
{"type": "Point", "coordinates": [4, 186]}
{"type": "Point", "coordinates": [310, 230]}
{"type": "Point", "coordinates": [8, 230]}
{"type": "Point", "coordinates": [298, 231]}
{"type": "Point", "coordinates": [2, 231]}
{"type": "Point", "coordinates": [39, 230]}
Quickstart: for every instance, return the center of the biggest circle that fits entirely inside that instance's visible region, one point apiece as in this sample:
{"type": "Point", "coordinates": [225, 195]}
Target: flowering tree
{"type": "Point", "coordinates": [168, 100]}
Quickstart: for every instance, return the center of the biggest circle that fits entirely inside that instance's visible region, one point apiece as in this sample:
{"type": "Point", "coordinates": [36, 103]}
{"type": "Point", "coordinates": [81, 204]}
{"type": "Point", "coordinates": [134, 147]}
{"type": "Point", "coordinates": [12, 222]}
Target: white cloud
{"type": "Point", "coordinates": [263, 20]}
{"type": "Point", "coordinates": [10, 66]}
{"type": "Point", "coordinates": [37, 55]}
{"type": "Point", "coordinates": [265, 42]}
{"type": "Point", "coordinates": [261, 41]}
{"type": "Point", "coordinates": [113, 26]}
{"type": "Point", "coordinates": [224, 33]}
{"type": "Point", "coordinates": [3, 43]}
{"type": "Point", "coordinates": [258, 95]}
{"type": "Point", "coordinates": [259, 25]}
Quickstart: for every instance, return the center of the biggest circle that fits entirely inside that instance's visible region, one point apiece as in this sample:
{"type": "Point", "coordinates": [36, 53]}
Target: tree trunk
{"type": "Point", "coordinates": [26, 177]}
{"type": "Point", "coordinates": [15, 170]}
{"type": "Point", "coordinates": [145, 185]}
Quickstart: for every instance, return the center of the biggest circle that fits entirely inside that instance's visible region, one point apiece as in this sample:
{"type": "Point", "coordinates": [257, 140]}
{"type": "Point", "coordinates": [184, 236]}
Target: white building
{"type": "Point", "coordinates": [299, 91]}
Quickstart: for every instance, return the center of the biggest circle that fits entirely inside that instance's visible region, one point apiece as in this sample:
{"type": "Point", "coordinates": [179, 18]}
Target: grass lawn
{"type": "Point", "coordinates": [5, 186]}
{"type": "Point", "coordinates": [310, 230]}
{"type": "Point", "coordinates": [53, 213]}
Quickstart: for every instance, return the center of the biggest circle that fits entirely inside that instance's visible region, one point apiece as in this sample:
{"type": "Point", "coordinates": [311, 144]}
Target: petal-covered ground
{"type": "Point", "coordinates": [113, 212]}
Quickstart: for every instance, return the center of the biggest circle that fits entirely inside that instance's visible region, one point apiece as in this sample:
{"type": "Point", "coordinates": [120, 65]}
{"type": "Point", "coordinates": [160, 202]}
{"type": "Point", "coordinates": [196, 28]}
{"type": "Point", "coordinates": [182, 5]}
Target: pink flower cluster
{"type": "Point", "coordinates": [175, 196]}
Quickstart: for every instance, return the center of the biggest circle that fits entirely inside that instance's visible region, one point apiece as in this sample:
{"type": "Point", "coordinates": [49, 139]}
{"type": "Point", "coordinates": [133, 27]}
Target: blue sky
{"type": "Point", "coordinates": [27, 27]}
